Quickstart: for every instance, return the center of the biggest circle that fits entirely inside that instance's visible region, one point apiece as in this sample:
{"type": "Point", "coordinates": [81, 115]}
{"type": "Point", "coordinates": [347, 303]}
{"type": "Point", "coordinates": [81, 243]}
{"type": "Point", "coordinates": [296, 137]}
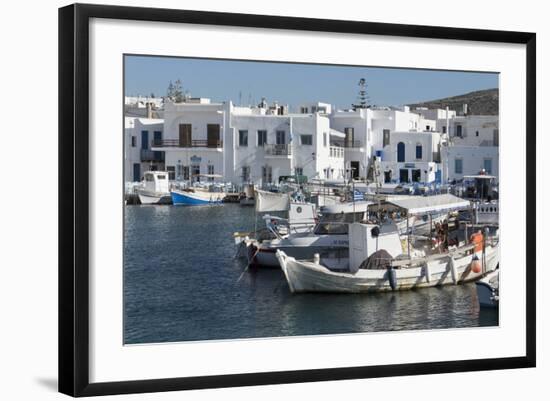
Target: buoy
{"type": "Point", "coordinates": [452, 267]}
{"type": "Point", "coordinates": [475, 265]}
{"type": "Point", "coordinates": [427, 272]}
{"type": "Point", "coordinates": [392, 278]}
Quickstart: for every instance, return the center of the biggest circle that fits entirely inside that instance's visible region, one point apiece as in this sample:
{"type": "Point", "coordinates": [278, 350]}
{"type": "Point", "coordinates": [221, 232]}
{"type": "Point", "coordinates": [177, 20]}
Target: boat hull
{"type": "Point", "coordinates": [306, 276]}
{"type": "Point", "coordinates": [150, 198]}
{"type": "Point", "coordinates": [195, 198]}
{"type": "Point", "coordinates": [487, 294]}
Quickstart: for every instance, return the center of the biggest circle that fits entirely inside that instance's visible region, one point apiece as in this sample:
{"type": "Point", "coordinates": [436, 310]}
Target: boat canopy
{"type": "Point", "coordinates": [208, 175]}
{"type": "Point", "coordinates": [479, 176]}
{"type": "Point", "coordinates": [415, 205]}
{"type": "Point", "coordinates": [271, 201]}
{"type": "Point", "coordinates": [346, 207]}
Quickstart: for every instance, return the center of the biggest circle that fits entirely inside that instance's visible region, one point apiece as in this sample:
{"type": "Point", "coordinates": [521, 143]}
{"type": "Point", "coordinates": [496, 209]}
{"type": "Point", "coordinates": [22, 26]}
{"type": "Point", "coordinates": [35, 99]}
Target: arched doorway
{"type": "Point", "coordinates": [400, 152]}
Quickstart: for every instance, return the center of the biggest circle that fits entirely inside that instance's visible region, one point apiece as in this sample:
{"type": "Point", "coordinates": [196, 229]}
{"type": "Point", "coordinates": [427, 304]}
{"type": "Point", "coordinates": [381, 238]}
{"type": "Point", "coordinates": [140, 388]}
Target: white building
{"type": "Point", "coordinates": [411, 157]}
{"type": "Point", "coordinates": [368, 131]}
{"type": "Point", "coordinates": [139, 135]}
{"type": "Point", "coordinates": [458, 161]}
{"type": "Point", "coordinates": [248, 144]}
{"type": "Point", "coordinates": [261, 144]}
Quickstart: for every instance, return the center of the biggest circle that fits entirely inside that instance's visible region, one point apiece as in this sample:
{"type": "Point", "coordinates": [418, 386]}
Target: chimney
{"type": "Point", "coordinates": [465, 109]}
{"type": "Point", "coordinates": [149, 109]}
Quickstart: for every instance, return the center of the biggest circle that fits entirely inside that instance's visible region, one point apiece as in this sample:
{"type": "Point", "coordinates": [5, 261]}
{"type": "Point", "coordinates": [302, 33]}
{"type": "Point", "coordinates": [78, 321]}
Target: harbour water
{"type": "Point", "coordinates": [181, 283]}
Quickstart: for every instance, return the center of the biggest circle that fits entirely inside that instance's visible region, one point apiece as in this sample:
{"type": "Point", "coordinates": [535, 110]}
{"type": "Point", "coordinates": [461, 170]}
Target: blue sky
{"type": "Point", "coordinates": [296, 83]}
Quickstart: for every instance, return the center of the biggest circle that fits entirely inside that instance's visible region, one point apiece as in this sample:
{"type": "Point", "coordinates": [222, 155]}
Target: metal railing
{"type": "Point", "coordinates": [347, 144]}
{"type": "Point", "coordinates": [337, 152]}
{"type": "Point", "coordinates": [278, 150]}
{"type": "Point", "coordinates": [194, 143]}
{"type": "Point", "coordinates": [148, 155]}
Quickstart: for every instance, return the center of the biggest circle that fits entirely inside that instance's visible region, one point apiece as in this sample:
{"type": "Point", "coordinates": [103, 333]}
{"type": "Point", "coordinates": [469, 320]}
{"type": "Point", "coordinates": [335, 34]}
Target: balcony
{"type": "Point", "coordinates": [148, 155]}
{"type": "Point", "coordinates": [337, 152]}
{"type": "Point", "coordinates": [278, 150]}
{"type": "Point", "coordinates": [347, 144]}
{"type": "Point", "coordinates": [195, 143]}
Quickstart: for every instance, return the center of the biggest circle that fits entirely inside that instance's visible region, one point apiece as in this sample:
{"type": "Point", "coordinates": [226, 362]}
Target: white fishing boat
{"type": "Point", "coordinates": [487, 290]}
{"type": "Point", "coordinates": [382, 259]}
{"type": "Point", "coordinates": [329, 237]}
{"type": "Point", "coordinates": [154, 189]}
{"type": "Point", "coordinates": [301, 219]}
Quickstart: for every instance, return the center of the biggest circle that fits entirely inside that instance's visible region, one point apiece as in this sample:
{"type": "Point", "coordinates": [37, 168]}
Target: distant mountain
{"type": "Point", "coordinates": [483, 102]}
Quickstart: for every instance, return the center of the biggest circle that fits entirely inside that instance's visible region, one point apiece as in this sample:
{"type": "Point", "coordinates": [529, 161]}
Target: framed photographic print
{"type": "Point", "coordinates": [251, 199]}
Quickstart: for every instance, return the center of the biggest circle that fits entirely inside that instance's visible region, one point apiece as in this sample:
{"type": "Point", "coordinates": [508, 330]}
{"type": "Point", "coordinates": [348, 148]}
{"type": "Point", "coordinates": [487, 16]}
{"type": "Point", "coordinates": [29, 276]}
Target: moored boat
{"type": "Point", "coordinates": [487, 290]}
{"type": "Point", "coordinates": [155, 188]}
{"type": "Point", "coordinates": [388, 272]}
{"type": "Point", "coordinates": [195, 197]}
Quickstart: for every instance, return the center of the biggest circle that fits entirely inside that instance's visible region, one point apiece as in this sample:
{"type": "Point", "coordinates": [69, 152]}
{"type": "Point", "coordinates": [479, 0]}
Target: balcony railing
{"type": "Point", "coordinates": [195, 143]}
{"type": "Point", "coordinates": [347, 144]}
{"type": "Point", "coordinates": [278, 150]}
{"type": "Point", "coordinates": [337, 152]}
{"type": "Point", "coordinates": [151, 156]}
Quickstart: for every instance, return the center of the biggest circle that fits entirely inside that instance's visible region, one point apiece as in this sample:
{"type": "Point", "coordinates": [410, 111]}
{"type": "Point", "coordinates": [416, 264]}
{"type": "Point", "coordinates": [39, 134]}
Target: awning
{"type": "Point", "coordinates": [271, 202]}
{"type": "Point", "coordinates": [430, 204]}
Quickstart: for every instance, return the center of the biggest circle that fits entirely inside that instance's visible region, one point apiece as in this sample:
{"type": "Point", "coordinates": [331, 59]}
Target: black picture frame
{"type": "Point", "coordinates": [74, 200]}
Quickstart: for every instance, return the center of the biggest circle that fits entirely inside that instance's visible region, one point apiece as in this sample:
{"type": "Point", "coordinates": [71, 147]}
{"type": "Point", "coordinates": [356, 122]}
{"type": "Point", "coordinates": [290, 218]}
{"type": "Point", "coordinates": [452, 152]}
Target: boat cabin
{"type": "Point", "coordinates": [156, 181]}
{"type": "Point", "coordinates": [336, 218]}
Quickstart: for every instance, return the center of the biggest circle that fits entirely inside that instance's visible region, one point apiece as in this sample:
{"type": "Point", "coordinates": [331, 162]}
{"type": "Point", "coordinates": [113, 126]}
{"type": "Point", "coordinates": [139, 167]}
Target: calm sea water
{"type": "Point", "coordinates": [181, 283]}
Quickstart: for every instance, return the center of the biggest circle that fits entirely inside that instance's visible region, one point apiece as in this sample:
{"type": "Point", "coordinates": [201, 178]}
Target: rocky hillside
{"type": "Point", "coordinates": [483, 102]}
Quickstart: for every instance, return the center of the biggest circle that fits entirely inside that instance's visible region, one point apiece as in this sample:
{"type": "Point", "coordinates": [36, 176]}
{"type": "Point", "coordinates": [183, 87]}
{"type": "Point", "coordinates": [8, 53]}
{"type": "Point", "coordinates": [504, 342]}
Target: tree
{"type": "Point", "coordinates": [178, 92]}
{"type": "Point", "coordinates": [362, 97]}
{"type": "Point", "coordinates": [170, 91]}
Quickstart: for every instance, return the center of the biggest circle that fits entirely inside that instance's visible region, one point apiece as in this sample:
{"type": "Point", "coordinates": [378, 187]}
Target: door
{"type": "Point", "coordinates": [144, 139]}
{"type": "Point", "coordinates": [387, 176]}
{"type": "Point", "coordinates": [195, 171]}
{"type": "Point", "coordinates": [280, 138]}
{"type": "Point", "coordinates": [404, 175]}
{"type": "Point", "coordinates": [185, 135]}
{"type": "Point", "coordinates": [354, 169]}
{"type": "Point", "coordinates": [400, 152]}
{"type": "Point", "coordinates": [137, 172]}
{"type": "Point", "coordinates": [415, 175]}
{"type": "Point", "coordinates": [213, 135]}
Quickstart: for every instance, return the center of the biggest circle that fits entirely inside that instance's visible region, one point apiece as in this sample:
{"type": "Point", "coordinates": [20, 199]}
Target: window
{"type": "Point", "coordinates": [303, 110]}
{"type": "Point", "coordinates": [171, 172]}
{"type": "Point", "coordinates": [280, 137]}
{"type": "Point", "coordinates": [157, 138]}
{"type": "Point", "coordinates": [386, 137]}
{"type": "Point", "coordinates": [458, 166]}
{"type": "Point", "coordinates": [418, 151]}
{"type": "Point", "coordinates": [306, 139]}
{"type": "Point", "coordinates": [210, 171]}
{"type": "Point", "coordinates": [400, 152]}
{"type": "Point", "coordinates": [477, 133]}
{"type": "Point", "coordinates": [243, 138]}
{"type": "Point", "coordinates": [267, 174]}
{"type": "Point", "coordinates": [444, 129]}
{"type": "Point", "coordinates": [488, 165]}
{"type": "Point", "coordinates": [428, 128]}
{"type": "Point", "coordinates": [349, 137]}
{"type": "Point", "coordinates": [134, 141]}
{"type": "Point", "coordinates": [325, 139]}
{"type": "Point", "coordinates": [495, 137]}
{"type": "Point", "coordinates": [299, 170]}
{"type": "Point", "coordinates": [245, 173]}
{"type": "Point", "coordinates": [262, 137]}
{"type": "Point", "coordinates": [459, 131]}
